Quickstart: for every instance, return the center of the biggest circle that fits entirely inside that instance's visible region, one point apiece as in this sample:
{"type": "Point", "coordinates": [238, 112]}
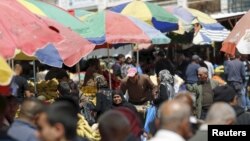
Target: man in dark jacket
{"type": "Point", "coordinates": [228, 94]}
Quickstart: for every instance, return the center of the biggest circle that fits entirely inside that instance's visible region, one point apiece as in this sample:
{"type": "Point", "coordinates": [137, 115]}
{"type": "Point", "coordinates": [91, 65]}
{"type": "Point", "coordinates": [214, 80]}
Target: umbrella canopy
{"type": "Point", "coordinates": [209, 29]}
{"type": "Point", "coordinates": [55, 13]}
{"type": "Point", "coordinates": [22, 30]}
{"type": "Point", "coordinates": [69, 51]}
{"type": "Point", "coordinates": [5, 72]}
{"type": "Point", "coordinates": [81, 12]}
{"type": "Point", "coordinates": [112, 28]}
{"type": "Point", "coordinates": [72, 48]}
{"type": "Point", "coordinates": [150, 13]}
{"type": "Point", "coordinates": [239, 37]}
{"type": "Point", "coordinates": [188, 16]}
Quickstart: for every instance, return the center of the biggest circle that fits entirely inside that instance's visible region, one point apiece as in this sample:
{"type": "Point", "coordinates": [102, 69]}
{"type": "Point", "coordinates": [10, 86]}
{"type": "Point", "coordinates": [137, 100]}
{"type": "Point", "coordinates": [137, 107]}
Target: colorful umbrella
{"type": "Point", "coordinates": [188, 16]}
{"type": "Point", "coordinates": [5, 72]}
{"type": "Point", "coordinates": [20, 29]}
{"type": "Point", "coordinates": [69, 51]}
{"type": "Point", "coordinates": [209, 29]}
{"type": "Point", "coordinates": [150, 13]}
{"type": "Point", "coordinates": [72, 48]}
{"type": "Point", "coordinates": [55, 13]}
{"type": "Point", "coordinates": [112, 28]}
{"type": "Point", "coordinates": [239, 37]}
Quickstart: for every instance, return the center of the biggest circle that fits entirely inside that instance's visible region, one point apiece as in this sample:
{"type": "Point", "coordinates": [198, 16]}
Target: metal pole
{"type": "Point", "coordinates": [34, 73]}
{"type": "Point", "coordinates": [78, 72]}
{"type": "Point", "coordinates": [12, 64]}
{"type": "Point", "coordinates": [110, 83]}
{"type": "Point", "coordinates": [137, 55]}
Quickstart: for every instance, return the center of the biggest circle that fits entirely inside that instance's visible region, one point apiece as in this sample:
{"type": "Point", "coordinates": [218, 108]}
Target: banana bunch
{"type": "Point", "coordinates": [84, 130]}
{"type": "Point", "coordinates": [48, 89]}
{"type": "Point", "coordinates": [89, 90]}
{"type": "Point", "coordinates": [52, 85]}
{"type": "Point", "coordinates": [41, 87]}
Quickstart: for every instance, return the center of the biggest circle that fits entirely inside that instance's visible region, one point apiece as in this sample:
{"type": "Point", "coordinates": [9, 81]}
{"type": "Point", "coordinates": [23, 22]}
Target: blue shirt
{"type": "Point", "coordinates": [235, 71]}
{"type": "Point", "coordinates": [191, 73]}
{"type": "Point", "coordinates": [22, 131]}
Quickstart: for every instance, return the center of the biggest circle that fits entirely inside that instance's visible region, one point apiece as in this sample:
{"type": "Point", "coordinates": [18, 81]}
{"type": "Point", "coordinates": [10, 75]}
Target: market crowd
{"type": "Point", "coordinates": [158, 99]}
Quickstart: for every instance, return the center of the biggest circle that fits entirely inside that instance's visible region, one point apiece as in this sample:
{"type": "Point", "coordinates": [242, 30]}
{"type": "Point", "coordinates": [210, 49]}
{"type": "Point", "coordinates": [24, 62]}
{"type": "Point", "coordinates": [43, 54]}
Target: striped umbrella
{"type": "Point", "coordinates": [210, 30]}
{"type": "Point", "coordinates": [150, 13]}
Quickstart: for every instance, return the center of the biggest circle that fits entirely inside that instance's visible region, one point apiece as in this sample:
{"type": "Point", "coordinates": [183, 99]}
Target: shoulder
{"type": "Point", "coordinates": [199, 136]}
{"type": "Point", "coordinates": [124, 80]}
{"type": "Point", "coordinates": [144, 76]}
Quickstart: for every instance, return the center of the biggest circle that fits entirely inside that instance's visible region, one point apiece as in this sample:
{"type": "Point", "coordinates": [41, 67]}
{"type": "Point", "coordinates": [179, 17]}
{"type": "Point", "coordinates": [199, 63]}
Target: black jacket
{"type": "Point", "coordinates": [243, 118]}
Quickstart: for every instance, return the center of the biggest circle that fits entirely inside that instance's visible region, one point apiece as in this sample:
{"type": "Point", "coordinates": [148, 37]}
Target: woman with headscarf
{"type": "Point", "coordinates": [118, 100]}
{"type": "Point", "coordinates": [166, 90]}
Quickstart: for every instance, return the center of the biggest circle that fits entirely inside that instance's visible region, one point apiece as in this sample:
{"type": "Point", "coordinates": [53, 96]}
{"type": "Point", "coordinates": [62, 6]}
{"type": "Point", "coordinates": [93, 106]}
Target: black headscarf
{"type": "Point", "coordinates": [124, 102]}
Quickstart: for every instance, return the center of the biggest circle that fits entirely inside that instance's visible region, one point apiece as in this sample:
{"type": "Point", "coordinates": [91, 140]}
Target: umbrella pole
{"type": "Point", "coordinates": [78, 72]}
{"type": "Point", "coordinates": [137, 55]}
{"type": "Point", "coordinates": [110, 85]}
{"type": "Point", "coordinates": [12, 64]}
{"type": "Point", "coordinates": [35, 80]}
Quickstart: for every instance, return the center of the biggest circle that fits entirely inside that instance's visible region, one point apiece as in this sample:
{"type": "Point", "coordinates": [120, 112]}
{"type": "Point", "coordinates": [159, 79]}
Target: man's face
{"type": "Point", "coordinates": [18, 69]}
{"type": "Point", "coordinates": [122, 59]}
{"type": "Point", "coordinates": [46, 132]}
{"type": "Point", "coordinates": [202, 76]}
{"type": "Point", "coordinates": [117, 99]}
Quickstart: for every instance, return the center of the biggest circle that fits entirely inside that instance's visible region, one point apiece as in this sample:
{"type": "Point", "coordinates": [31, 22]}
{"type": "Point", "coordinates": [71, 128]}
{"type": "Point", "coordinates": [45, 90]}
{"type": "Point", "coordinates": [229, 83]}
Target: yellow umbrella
{"type": "Point", "coordinates": [5, 73]}
{"type": "Point", "coordinates": [201, 17]}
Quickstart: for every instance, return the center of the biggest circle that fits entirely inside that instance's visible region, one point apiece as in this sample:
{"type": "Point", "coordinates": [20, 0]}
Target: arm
{"type": "Point", "coordinates": [151, 85]}
{"type": "Point", "coordinates": [123, 86]}
{"type": "Point", "coordinates": [27, 92]}
{"type": "Point", "coordinates": [243, 72]}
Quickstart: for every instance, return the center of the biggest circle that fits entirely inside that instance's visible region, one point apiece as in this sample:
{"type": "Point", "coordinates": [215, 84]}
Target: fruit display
{"type": "Point", "coordinates": [48, 89]}
{"type": "Point", "coordinates": [84, 130]}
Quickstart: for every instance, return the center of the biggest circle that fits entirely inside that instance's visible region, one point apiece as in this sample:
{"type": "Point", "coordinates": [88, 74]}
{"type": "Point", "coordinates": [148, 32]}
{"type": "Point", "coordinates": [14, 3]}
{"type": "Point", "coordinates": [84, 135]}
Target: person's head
{"type": "Point", "coordinates": [18, 69]}
{"type": "Point", "coordinates": [58, 122]}
{"type": "Point", "coordinates": [117, 97]}
{"type": "Point", "coordinates": [225, 94]}
{"type": "Point", "coordinates": [202, 74]}
{"type": "Point", "coordinates": [12, 107]}
{"type": "Point", "coordinates": [129, 60]}
{"type": "Point", "coordinates": [62, 75]}
{"type": "Point", "coordinates": [113, 126]}
{"type": "Point", "coordinates": [93, 65]}
{"type": "Point", "coordinates": [30, 110]}
{"type": "Point", "coordinates": [237, 55]}
{"type": "Point", "coordinates": [185, 97]}
{"type": "Point", "coordinates": [196, 59]}
{"type": "Point", "coordinates": [165, 77]}
{"type": "Point", "coordinates": [174, 116]}
{"type": "Point", "coordinates": [220, 113]}
{"type": "Point", "coordinates": [121, 58]}
{"type": "Point", "coordinates": [132, 74]}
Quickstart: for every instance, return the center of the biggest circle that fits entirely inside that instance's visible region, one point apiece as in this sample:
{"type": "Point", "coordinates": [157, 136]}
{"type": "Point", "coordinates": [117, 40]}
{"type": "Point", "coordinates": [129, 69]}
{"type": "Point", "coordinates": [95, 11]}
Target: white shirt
{"type": "Point", "coordinates": [167, 135]}
{"type": "Point", "coordinates": [210, 69]}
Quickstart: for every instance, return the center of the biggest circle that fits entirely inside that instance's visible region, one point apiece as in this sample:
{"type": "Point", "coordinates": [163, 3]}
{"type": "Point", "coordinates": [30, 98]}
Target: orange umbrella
{"type": "Point", "coordinates": [239, 37]}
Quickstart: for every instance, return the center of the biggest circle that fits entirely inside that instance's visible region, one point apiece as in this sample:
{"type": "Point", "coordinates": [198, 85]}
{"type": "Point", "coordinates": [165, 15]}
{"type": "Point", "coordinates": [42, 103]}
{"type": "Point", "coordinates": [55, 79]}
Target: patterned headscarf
{"type": "Point", "coordinates": [166, 77]}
